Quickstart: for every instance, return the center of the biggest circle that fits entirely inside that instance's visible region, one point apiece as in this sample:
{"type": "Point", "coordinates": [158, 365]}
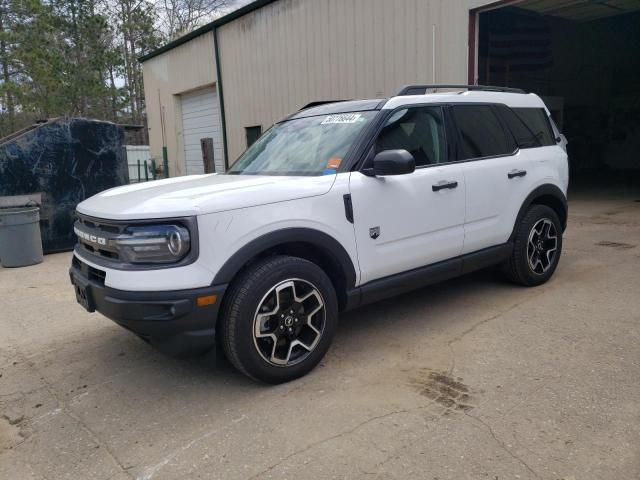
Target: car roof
{"type": "Point", "coordinates": [517, 100]}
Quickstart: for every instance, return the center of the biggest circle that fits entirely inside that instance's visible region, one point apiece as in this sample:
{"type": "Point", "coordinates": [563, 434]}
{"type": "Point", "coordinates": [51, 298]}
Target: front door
{"type": "Point", "coordinates": [409, 221]}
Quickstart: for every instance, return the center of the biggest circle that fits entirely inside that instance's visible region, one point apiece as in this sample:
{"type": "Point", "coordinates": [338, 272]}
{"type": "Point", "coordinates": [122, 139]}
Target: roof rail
{"type": "Point", "coordinates": [423, 89]}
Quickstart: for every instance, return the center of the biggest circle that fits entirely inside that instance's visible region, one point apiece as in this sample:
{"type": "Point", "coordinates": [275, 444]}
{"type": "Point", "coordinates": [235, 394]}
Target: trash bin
{"type": "Point", "coordinates": [20, 242]}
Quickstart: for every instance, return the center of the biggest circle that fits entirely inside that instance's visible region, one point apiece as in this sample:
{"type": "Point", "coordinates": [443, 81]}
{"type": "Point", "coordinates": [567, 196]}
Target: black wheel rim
{"type": "Point", "coordinates": [542, 246]}
{"type": "Point", "coordinates": [289, 322]}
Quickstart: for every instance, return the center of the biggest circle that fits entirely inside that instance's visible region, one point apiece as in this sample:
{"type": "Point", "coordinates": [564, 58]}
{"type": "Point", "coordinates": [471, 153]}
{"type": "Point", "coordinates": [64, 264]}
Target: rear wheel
{"type": "Point", "coordinates": [537, 247]}
{"type": "Point", "coordinates": [279, 318]}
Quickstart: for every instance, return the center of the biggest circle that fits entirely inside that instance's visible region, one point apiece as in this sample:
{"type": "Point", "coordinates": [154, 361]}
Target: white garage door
{"type": "Point", "coordinates": [201, 119]}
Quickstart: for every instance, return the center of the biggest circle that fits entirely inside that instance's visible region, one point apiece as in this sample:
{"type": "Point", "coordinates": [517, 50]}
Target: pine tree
{"type": "Point", "coordinates": [134, 23]}
{"type": "Point", "coordinates": [10, 67]}
{"type": "Point", "coordinates": [80, 57]}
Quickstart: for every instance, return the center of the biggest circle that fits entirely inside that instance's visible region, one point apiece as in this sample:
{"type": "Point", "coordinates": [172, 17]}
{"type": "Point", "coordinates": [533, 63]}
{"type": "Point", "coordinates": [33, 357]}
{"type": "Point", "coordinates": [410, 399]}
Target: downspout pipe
{"type": "Point", "coordinates": [221, 99]}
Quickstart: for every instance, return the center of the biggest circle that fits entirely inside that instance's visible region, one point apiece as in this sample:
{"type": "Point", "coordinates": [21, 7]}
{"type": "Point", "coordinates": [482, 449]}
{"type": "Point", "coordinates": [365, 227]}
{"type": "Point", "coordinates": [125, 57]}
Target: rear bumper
{"type": "Point", "coordinates": [172, 321]}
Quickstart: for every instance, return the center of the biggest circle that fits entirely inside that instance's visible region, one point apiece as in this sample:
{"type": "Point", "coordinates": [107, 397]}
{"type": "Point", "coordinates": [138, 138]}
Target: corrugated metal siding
{"type": "Point", "coordinates": [292, 52]}
{"type": "Point", "coordinates": [185, 68]}
{"type": "Point", "coordinates": [201, 119]}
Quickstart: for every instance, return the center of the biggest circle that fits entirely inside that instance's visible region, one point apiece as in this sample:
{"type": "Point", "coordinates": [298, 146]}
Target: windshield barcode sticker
{"type": "Point", "coordinates": [341, 118]}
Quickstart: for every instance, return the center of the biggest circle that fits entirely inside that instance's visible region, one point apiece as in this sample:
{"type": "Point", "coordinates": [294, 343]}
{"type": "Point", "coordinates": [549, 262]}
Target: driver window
{"type": "Point", "coordinates": [418, 130]}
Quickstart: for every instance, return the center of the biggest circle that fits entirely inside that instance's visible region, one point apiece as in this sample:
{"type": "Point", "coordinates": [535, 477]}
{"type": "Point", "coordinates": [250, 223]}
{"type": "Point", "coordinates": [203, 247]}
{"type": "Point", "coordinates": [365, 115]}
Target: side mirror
{"type": "Point", "coordinates": [391, 162]}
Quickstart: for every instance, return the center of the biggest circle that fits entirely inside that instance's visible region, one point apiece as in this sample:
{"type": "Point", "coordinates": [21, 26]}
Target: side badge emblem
{"type": "Point", "coordinates": [374, 232]}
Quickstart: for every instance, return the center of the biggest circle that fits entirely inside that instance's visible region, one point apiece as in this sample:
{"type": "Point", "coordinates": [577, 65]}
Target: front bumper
{"type": "Point", "coordinates": [172, 321]}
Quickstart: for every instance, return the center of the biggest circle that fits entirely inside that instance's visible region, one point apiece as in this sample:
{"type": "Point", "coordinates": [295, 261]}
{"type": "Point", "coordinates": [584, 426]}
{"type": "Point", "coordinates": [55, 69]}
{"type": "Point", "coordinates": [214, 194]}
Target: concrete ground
{"type": "Point", "coordinates": [474, 378]}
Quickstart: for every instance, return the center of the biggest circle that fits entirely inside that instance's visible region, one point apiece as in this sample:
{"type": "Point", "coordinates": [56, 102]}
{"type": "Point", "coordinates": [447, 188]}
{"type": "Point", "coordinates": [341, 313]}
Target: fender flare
{"type": "Point", "coordinates": [325, 243]}
{"type": "Point", "coordinates": [544, 190]}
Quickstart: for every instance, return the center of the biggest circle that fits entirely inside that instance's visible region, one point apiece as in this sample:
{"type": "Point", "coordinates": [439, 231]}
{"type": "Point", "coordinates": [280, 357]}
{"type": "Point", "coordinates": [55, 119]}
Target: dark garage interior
{"type": "Point", "coordinates": [583, 58]}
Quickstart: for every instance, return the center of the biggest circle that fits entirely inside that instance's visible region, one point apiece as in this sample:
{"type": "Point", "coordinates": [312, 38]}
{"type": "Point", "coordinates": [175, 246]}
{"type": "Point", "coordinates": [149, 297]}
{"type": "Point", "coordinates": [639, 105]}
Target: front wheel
{"type": "Point", "coordinates": [537, 247]}
{"type": "Point", "coordinates": [279, 318]}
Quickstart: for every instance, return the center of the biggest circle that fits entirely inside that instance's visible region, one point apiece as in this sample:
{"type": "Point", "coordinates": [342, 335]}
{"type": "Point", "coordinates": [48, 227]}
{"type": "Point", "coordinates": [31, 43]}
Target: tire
{"type": "Point", "coordinates": [256, 315]}
{"type": "Point", "coordinates": [533, 249]}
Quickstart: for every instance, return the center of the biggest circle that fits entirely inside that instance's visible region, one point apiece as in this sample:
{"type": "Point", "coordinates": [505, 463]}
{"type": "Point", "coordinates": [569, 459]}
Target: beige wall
{"type": "Point", "coordinates": [183, 69]}
{"type": "Point", "coordinates": [291, 52]}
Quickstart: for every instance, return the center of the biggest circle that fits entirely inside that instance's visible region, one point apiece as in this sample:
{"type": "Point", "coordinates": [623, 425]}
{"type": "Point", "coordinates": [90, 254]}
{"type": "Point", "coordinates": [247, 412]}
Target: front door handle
{"type": "Point", "coordinates": [443, 185]}
{"type": "Point", "coordinates": [516, 173]}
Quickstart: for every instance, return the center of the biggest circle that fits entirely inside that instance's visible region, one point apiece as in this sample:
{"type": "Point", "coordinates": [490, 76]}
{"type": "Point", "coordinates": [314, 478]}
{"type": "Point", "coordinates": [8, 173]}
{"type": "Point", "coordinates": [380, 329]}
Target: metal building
{"type": "Point", "coordinates": [233, 78]}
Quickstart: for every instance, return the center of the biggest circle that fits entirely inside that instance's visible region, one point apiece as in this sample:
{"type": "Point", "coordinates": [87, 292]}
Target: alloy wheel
{"type": "Point", "coordinates": [289, 322]}
{"type": "Point", "coordinates": [542, 246]}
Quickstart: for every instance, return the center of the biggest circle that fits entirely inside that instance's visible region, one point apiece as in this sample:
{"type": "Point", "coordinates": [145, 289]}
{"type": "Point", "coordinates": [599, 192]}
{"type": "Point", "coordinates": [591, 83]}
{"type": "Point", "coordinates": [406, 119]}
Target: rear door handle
{"type": "Point", "coordinates": [443, 185]}
{"type": "Point", "coordinates": [516, 173]}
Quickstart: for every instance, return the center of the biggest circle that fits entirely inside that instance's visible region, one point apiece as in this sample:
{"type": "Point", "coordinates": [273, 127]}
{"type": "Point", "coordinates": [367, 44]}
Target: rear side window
{"type": "Point", "coordinates": [537, 123]}
{"type": "Point", "coordinates": [523, 133]}
{"type": "Point", "coordinates": [530, 126]}
{"type": "Point", "coordinates": [481, 133]}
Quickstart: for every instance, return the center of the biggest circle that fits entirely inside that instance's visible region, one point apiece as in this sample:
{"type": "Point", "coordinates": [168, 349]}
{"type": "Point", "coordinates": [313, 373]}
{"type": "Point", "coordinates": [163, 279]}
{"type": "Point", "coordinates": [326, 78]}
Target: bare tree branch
{"type": "Point", "coordinates": [182, 16]}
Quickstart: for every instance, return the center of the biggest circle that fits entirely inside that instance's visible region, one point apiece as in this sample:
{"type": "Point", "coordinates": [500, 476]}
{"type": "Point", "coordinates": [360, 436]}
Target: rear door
{"type": "Point", "coordinates": [497, 174]}
{"type": "Point", "coordinates": [409, 221]}
{"type": "Point", "coordinates": [535, 134]}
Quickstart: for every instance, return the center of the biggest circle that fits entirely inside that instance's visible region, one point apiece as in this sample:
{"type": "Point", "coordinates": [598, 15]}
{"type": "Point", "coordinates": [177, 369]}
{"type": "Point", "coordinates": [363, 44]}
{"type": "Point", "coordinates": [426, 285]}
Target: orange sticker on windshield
{"type": "Point", "coordinates": [334, 163]}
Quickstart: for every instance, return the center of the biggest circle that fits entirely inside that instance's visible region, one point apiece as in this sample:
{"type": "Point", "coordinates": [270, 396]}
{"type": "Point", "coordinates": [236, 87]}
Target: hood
{"type": "Point", "coordinates": [199, 194]}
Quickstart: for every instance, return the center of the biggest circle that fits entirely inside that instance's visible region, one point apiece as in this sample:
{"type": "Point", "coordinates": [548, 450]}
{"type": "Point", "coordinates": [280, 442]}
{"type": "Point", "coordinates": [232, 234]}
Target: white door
{"type": "Point", "coordinates": [493, 193]}
{"type": "Point", "coordinates": [409, 221]}
{"type": "Point", "coordinates": [201, 119]}
{"type": "Point", "coordinates": [497, 175]}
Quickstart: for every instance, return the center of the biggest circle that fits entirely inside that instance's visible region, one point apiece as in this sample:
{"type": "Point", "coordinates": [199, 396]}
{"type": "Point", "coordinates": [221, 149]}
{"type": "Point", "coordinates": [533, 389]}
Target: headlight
{"type": "Point", "coordinates": [153, 244]}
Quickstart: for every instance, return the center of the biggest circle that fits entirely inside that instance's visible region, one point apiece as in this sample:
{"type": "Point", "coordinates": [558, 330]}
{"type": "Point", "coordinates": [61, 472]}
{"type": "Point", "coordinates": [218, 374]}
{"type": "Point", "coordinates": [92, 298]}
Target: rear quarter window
{"type": "Point", "coordinates": [529, 126]}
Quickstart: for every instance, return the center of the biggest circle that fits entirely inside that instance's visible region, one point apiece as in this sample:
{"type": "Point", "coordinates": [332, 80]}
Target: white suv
{"type": "Point", "coordinates": [338, 205]}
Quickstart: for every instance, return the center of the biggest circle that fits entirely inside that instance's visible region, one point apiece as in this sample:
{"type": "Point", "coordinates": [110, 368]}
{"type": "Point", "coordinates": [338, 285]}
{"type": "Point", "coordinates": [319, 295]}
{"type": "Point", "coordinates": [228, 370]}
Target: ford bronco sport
{"type": "Point", "coordinates": [336, 206]}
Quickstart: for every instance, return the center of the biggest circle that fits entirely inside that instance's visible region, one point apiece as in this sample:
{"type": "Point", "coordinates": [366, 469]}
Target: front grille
{"type": "Point", "coordinates": [103, 225]}
{"type": "Point", "coordinates": [101, 252]}
{"type": "Point", "coordinates": [102, 231]}
{"type": "Point", "coordinates": [99, 225]}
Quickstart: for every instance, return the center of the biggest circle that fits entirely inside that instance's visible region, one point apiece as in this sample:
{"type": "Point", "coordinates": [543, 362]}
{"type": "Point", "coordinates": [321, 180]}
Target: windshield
{"type": "Point", "coordinates": [305, 146]}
